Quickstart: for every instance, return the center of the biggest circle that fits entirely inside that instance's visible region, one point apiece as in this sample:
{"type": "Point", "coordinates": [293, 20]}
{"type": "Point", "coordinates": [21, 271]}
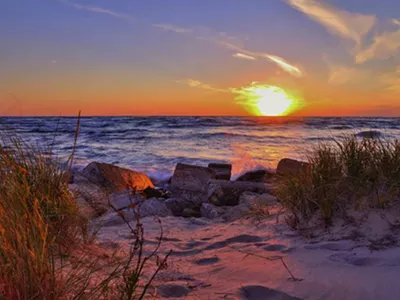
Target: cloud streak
{"type": "Point", "coordinates": [204, 33]}
{"type": "Point", "coordinates": [243, 56]}
{"type": "Point", "coordinates": [173, 28]}
{"type": "Point", "coordinates": [198, 84]}
{"type": "Point", "coordinates": [347, 25]}
{"type": "Point", "coordinates": [95, 9]}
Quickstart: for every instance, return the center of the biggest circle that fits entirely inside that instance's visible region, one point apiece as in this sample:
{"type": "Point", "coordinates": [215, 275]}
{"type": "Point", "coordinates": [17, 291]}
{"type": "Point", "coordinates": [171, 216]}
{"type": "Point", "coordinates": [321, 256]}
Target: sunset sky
{"type": "Point", "coordinates": [194, 57]}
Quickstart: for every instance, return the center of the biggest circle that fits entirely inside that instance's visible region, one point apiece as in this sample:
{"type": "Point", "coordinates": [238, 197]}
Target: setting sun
{"type": "Point", "coordinates": [266, 100]}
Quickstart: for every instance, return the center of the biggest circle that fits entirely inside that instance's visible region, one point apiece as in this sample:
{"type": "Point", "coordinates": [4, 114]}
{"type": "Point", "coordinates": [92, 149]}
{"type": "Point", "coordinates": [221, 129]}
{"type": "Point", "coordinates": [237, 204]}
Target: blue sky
{"type": "Point", "coordinates": [187, 56]}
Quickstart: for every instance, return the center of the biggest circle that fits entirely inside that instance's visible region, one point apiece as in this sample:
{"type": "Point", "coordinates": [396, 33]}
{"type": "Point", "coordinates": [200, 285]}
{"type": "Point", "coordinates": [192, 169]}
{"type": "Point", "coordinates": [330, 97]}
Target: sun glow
{"type": "Point", "coordinates": [266, 100]}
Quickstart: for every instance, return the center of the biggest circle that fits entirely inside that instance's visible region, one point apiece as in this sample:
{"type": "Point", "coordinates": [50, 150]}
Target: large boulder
{"type": "Point", "coordinates": [291, 167]}
{"type": "Point", "coordinates": [191, 182]}
{"type": "Point", "coordinates": [257, 176]}
{"type": "Point", "coordinates": [227, 193]}
{"type": "Point", "coordinates": [178, 205]}
{"type": "Point", "coordinates": [116, 179]}
{"type": "Point", "coordinates": [222, 171]}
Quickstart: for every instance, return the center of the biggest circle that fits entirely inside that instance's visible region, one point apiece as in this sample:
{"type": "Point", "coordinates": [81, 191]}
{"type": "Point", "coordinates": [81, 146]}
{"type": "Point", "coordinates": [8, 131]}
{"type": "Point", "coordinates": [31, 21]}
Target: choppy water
{"type": "Point", "coordinates": [155, 144]}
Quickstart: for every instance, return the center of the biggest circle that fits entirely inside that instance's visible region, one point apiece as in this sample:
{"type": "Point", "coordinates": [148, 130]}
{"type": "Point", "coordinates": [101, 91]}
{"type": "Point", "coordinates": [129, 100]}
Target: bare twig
{"type": "Point", "coordinates": [270, 258]}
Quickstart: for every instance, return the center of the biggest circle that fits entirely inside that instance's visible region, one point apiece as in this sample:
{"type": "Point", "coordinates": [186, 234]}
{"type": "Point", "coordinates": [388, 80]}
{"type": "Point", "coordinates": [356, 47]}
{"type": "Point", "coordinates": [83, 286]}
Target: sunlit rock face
{"type": "Point", "coordinates": [116, 179]}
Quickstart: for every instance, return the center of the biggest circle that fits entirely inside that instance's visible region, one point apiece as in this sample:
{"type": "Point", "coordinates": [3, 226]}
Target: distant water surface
{"type": "Point", "coordinates": [155, 144]}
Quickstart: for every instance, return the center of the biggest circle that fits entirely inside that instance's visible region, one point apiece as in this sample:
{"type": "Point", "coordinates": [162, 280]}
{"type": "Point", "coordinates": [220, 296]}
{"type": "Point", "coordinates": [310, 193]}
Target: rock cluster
{"type": "Point", "coordinates": [107, 191]}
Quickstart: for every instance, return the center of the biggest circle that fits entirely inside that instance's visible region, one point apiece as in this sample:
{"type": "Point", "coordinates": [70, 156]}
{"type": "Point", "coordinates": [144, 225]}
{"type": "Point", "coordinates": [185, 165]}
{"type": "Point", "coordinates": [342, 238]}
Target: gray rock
{"type": "Point", "coordinates": [210, 211]}
{"type": "Point", "coordinates": [252, 199]}
{"type": "Point", "coordinates": [90, 195]}
{"type": "Point", "coordinates": [178, 205]}
{"type": "Point", "coordinates": [191, 213]}
{"type": "Point", "coordinates": [235, 212]}
{"type": "Point", "coordinates": [227, 193]}
{"type": "Point", "coordinates": [257, 176]}
{"type": "Point", "coordinates": [191, 182]}
{"type": "Point", "coordinates": [291, 167]}
{"type": "Point", "coordinates": [154, 207]}
{"type": "Point", "coordinates": [222, 171]}
{"type": "Point", "coordinates": [116, 179]}
{"type": "Point", "coordinates": [123, 200]}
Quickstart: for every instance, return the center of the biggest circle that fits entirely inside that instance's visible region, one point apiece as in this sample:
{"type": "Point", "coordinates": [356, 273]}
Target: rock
{"type": "Point", "coordinates": [227, 193]}
{"type": "Point", "coordinates": [156, 193]}
{"type": "Point", "coordinates": [84, 208]}
{"type": "Point", "coordinates": [116, 179]}
{"type": "Point", "coordinates": [154, 207]}
{"type": "Point", "coordinates": [222, 171]}
{"type": "Point", "coordinates": [191, 213]}
{"type": "Point", "coordinates": [191, 182]}
{"type": "Point", "coordinates": [287, 166]}
{"type": "Point", "coordinates": [237, 212]}
{"type": "Point", "coordinates": [177, 205]}
{"type": "Point", "coordinates": [252, 199]}
{"type": "Point", "coordinates": [210, 211]}
{"type": "Point", "coordinates": [89, 194]}
{"type": "Point", "coordinates": [257, 176]}
{"type": "Point", "coordinates": [123, 200]}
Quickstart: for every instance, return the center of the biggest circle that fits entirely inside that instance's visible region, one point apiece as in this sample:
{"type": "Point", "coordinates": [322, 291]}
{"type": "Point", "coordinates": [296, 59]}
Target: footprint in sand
{"type": "Point", "coordinates": [207, 261]}
{"type": "Point", "coordinates": [333, 246]}
{"type": "Point", "coordinates": [173, 291]}
{"type": "Point", "coordinates": [259, 292]}
{"type": "Point", "coordinates": [275, 247]}
{"type": "Point", "coordinates": [241, 239]}
{"type": "Point", "coordinates": [354, 260]}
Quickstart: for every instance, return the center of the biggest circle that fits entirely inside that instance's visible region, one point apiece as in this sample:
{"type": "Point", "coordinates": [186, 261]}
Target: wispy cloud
{"type": "Point", "coordinates": [396, 22]}
{"type": "Point", "coordinates": [291, 69]}
{"type": "Point", "coordinates": [383, 46]}
{"type": "Point", "coordinates": [96, 10]}
{"type": "Point", "coordinates": [279, 61]}
{"type": "Point", "coordinates": [198, 84]}
{"type": "Point", "coordinates": [344, 75]}
{"type": "Point", "coordinates": [204, 33]}
{"type": "Point", "coordinates": [348, 25]}
{"type": "Point", "coordinates": [243, 56]}
{"type": "Point", "coordinates": [170, 27]}
{"type": "Point", "coordinates": [392, 81]}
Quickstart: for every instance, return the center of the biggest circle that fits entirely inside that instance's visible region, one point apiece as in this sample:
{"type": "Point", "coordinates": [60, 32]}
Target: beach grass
{"type": "Point", "coordinates": [350, 173]}
{"type": "Point", "coordinates": [43, 238]}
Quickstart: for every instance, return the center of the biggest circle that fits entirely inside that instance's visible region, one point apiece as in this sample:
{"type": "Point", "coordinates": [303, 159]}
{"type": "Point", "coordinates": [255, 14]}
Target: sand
{"type": "Point", "coordinates": [215, 260]}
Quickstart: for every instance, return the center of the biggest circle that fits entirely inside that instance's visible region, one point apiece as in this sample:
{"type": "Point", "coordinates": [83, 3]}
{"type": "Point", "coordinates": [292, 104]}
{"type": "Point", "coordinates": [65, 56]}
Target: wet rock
{"type": "Point", "coordinates": [291, 167]}
{"type": "Point", "coordinates": [222, 171]}
{"type": "Point", "coordinates": [191, 182]}
{"type": "Point", "coordinates": [173, 291]}
{"type": "Point", "coordinates": [116, 179]}
{"type": "Point", "coordinates": [257, 176]}
{"type": "Point", "coordinates": [191, 213]}
{"type": "Point", "coordinates": [210, 211]}
{"type": "Point", "coordinates": [227, 193]}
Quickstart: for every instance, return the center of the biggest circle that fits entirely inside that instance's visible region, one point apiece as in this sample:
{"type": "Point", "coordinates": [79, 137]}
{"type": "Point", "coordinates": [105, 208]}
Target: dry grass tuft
{"type": "Point", "coordinates": [351, 173]}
